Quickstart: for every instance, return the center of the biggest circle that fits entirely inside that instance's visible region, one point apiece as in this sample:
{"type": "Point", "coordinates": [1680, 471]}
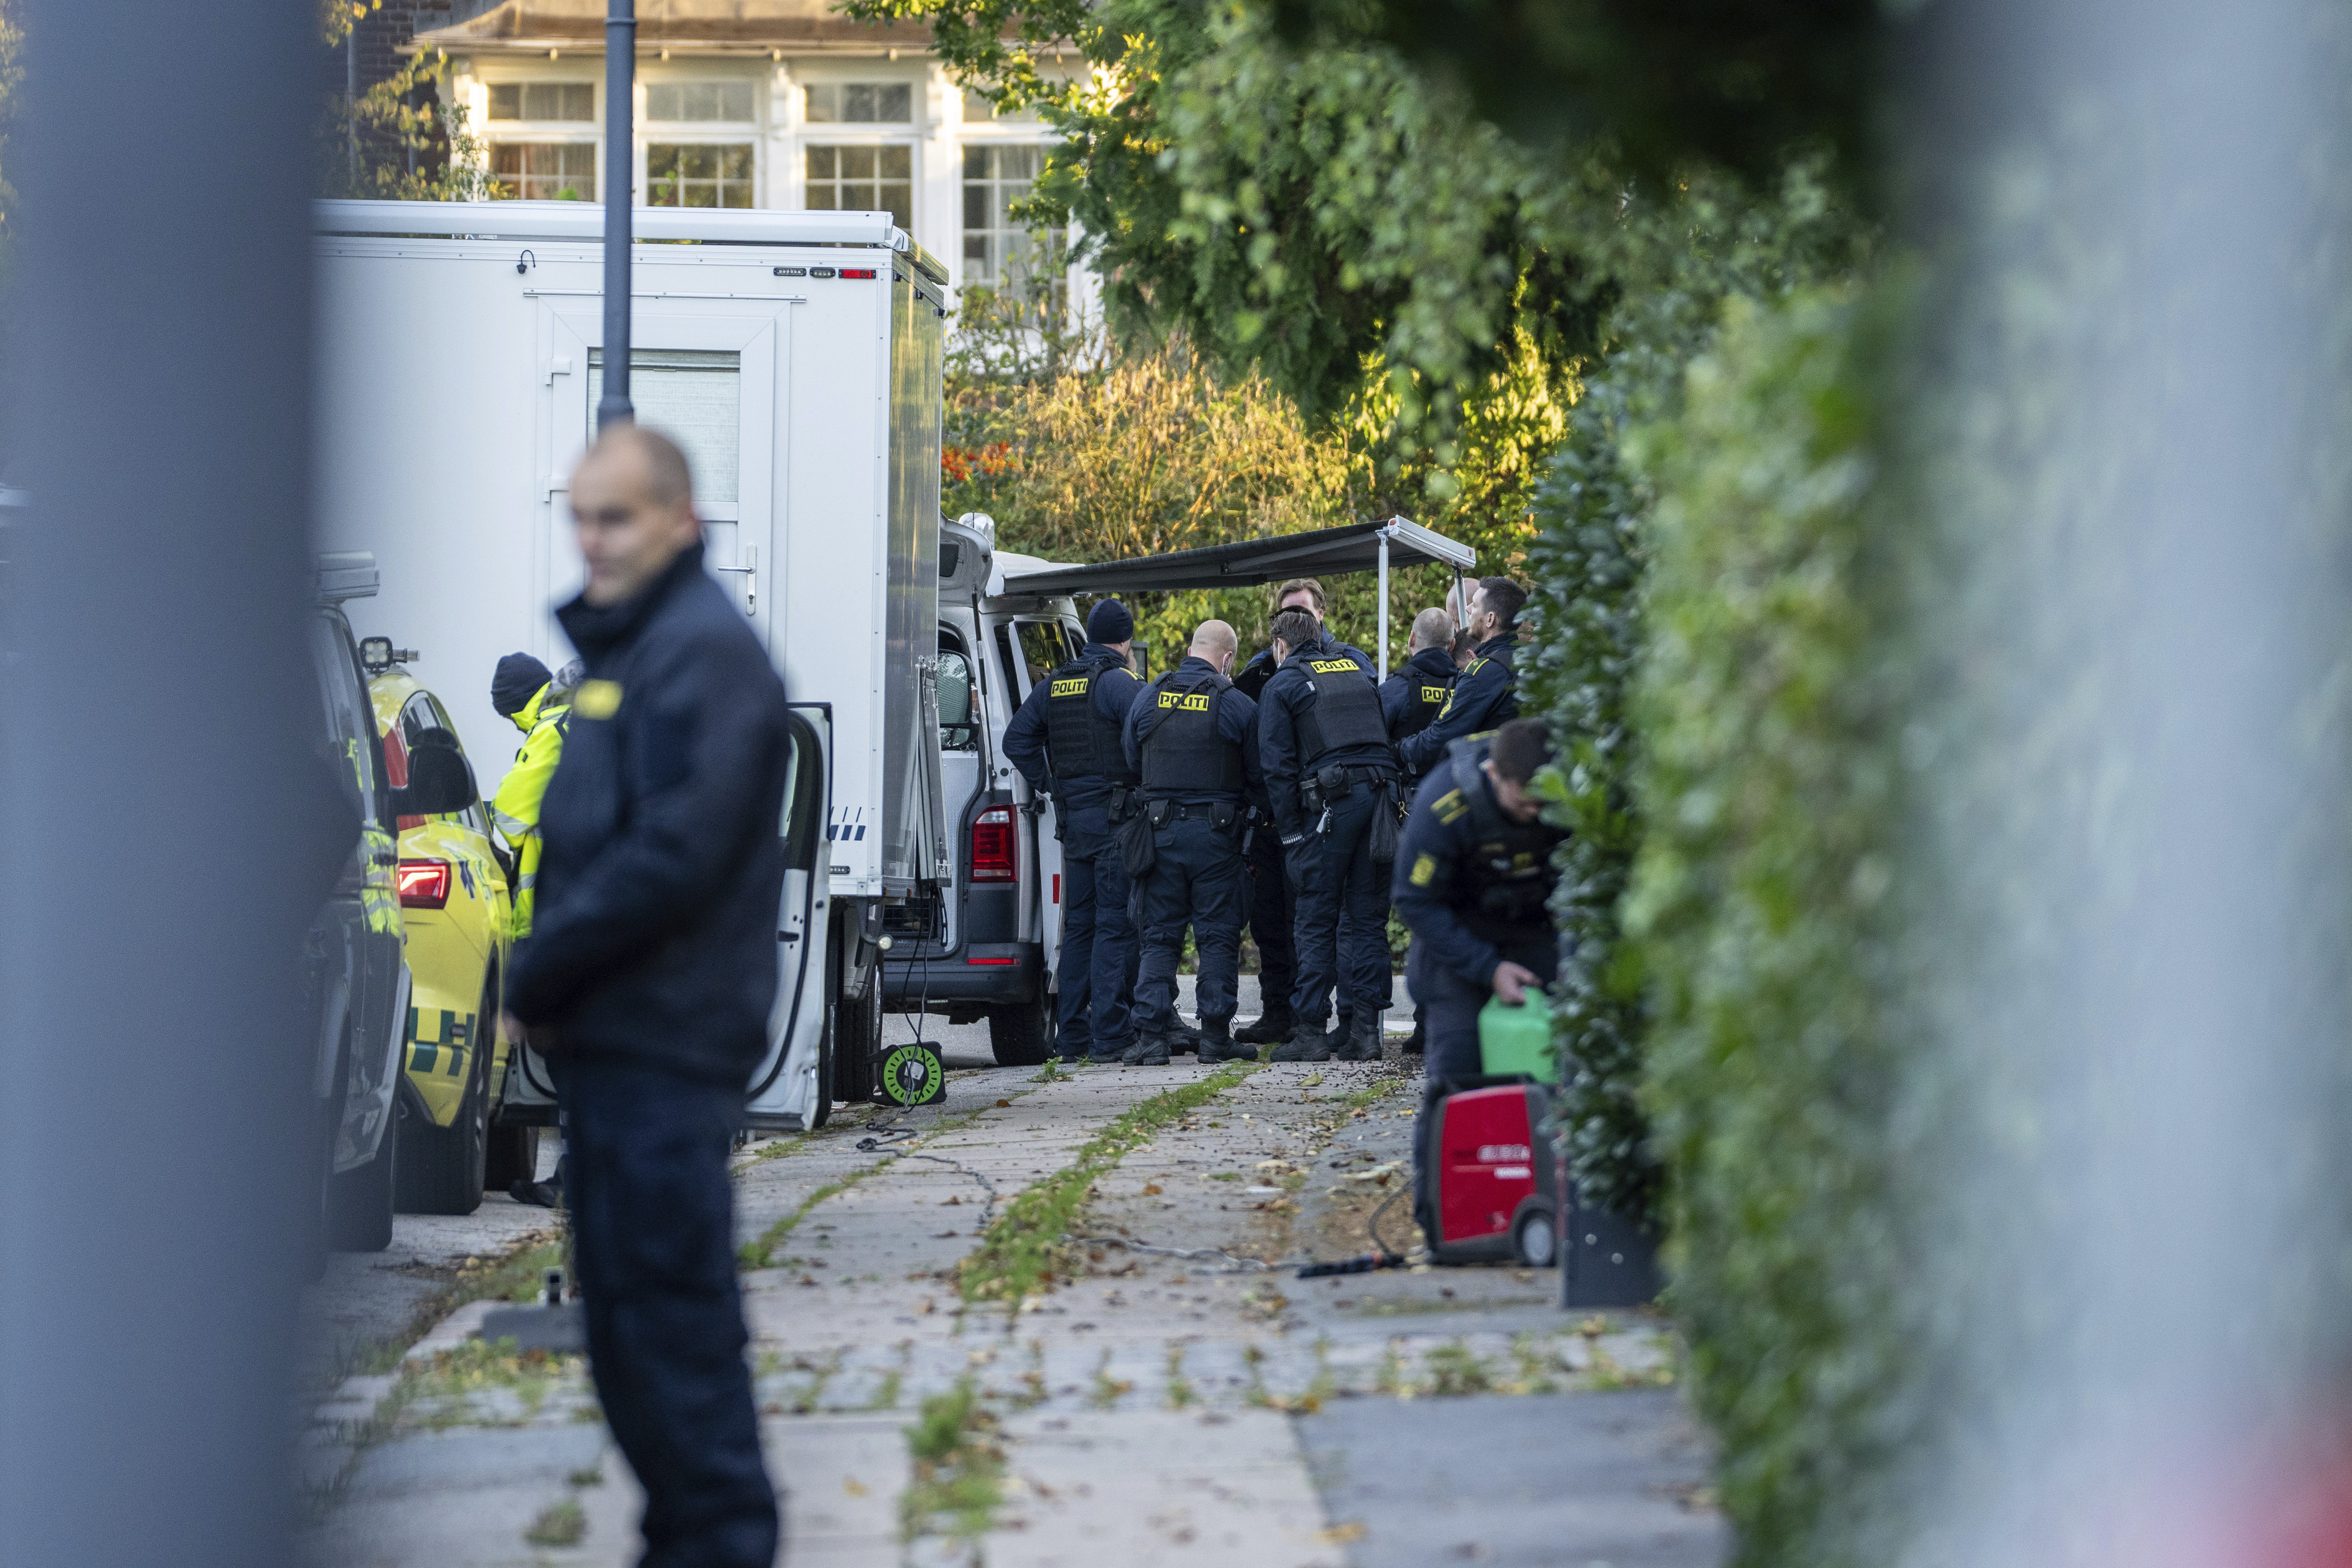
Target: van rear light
{"type": "Point", "coordinates": [995, 853]}
{"type": "Point", "coordinates": [423, 884]}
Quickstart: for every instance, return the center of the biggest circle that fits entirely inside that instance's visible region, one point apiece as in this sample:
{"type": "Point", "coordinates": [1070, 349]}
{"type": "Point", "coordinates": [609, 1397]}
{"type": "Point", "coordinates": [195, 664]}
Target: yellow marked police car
{"type": "Point", "coordinates": [456, 907]}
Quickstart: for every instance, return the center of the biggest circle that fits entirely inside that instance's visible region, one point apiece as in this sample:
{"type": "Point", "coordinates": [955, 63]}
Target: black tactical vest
{"type": "Point", "coordinates": [1346, 712]}
{"type": "Point", "coordinates": [1080, 743]}
{"type": "Point", "coordinates": [1426, 697]}
{"type": "Point", "coordinates": [1183, 754]}
{"type": "Point", "coordinates": [1508, 876]}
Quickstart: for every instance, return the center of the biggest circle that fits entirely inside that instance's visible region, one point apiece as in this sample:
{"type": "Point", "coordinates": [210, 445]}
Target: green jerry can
{"type": "Point", "coordinates": [1516, 1039]}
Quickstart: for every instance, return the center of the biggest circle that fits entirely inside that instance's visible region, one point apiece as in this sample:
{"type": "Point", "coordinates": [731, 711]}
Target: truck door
{"type": "Point", "coordinates": [792, 1090]}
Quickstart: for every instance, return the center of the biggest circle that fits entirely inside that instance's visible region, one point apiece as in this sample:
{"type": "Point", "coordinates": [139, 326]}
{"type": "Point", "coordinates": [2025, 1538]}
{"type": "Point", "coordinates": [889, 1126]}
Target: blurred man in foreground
{"type": "Point", "coordinates": [647, 983]}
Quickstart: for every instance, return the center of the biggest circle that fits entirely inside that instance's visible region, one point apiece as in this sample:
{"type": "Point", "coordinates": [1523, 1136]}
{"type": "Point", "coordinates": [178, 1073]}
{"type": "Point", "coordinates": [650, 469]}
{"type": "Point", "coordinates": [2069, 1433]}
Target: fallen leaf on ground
{"type": "Point", "coordinates": [852, 1486]}
{"type": "Point", "coordinates": [1340, 1534]}
{"type": "Point", "coordinates": [1001, 1104]}
{"type": "Point", "coordinates": [1151, 1189]}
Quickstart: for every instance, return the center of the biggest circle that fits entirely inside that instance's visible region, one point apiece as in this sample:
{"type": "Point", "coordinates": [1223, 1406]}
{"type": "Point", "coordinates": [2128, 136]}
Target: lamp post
{"type": "Point", "coordinates": [620, 162]}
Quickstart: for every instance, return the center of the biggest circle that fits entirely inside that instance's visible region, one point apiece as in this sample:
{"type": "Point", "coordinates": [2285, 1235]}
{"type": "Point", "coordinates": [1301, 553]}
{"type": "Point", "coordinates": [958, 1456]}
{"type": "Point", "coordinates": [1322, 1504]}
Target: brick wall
{"type": "Point", "coordinates": [378, 38]}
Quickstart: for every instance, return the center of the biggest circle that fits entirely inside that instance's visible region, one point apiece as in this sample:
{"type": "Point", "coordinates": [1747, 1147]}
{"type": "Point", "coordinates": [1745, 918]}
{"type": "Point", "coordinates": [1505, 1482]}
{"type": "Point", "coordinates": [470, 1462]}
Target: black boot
{"type": "Point", "coordinates": [1149, 1051]}
{"type": "Point", "coordinates": [1417, 1042]}
{"type": "Point", "coordinates": [1275, 1025]}
{"type": "Point", "coordinates": [1308, 1043]}
{"type": "Point", "coordinates": [1363, 1041]}
{"type": "Point", "coordinates": [1218, 1045]}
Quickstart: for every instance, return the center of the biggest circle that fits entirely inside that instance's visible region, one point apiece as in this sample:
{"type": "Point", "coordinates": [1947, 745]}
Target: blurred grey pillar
{"type": "Point", "coordinates": [151, 1059]}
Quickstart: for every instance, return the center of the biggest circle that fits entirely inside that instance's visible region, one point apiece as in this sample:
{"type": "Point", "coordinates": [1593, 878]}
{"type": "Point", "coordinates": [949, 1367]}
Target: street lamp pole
{"type": "Point", "coordinates": [620, 164]}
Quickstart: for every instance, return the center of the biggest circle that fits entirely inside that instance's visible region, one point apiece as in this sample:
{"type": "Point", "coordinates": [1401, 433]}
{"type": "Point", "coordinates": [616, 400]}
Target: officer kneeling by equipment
{"type": "Point", "coordinates": [1472, 876]}
{"type": "Point", "coordinates": [1193, 739]}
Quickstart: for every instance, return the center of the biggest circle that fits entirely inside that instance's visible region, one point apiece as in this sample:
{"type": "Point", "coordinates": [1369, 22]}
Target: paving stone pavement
{"type": "Point", "coordinates": [1149, 1406]}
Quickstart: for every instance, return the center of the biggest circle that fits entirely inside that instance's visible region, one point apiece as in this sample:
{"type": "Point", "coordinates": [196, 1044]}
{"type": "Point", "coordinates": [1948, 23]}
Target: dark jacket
{"type": "Point", "coordinates": [1284, 697]}
{"type": "Point", "coordinates": [1486, 698]}
{"type": "Point", "coordinates": [1430, 668]}
{"type": "Point", "coordinates": [1236, 725]}
{"type": "Point", "coordinates": [655, 939]}
{"type": "Point", "coordinates": [1470, 884]}
{"type": "Point", "coordinates": [1024, 735]}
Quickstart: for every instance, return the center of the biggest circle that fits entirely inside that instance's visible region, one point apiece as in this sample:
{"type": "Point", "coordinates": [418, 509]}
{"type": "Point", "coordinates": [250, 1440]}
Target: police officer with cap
{"type": "Point", "coordinates": [1067, 739]}
{"type": "Point", "coordinates": [1332, 780]}
{"type": "Point", "coordinates": [1415, 694]}
{"type": "Point", "coordinates": [1193, 739]}
{"type": "Point", "coordinates": [1486, 696]}
{"type": "Point", "coordinates": [1474, 875]}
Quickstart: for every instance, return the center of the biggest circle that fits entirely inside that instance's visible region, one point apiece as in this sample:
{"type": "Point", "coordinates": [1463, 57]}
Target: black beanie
{"type": "Point", "coordinates": [1110, 622]}
{"type": "Point", "coordinates": [519, 678]}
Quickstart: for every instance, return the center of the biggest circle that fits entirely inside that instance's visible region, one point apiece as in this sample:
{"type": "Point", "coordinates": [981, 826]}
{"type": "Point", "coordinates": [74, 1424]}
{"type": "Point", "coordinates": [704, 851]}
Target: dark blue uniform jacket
{"type": "Point", "coordinates": [1486, 698]}
{"type": "Point", "coordinates": [1024, 738]}
{"type": "Point", "coordinates": [1284, 697]}
{"type": "Point", "coordinates": [1436, 876]}
{"type": "Point", "coordinates": [1236, 722]}
{"type": "Point", "coordinates": [655, 939]}
{"type": "Point", "coordinates": [1429, 666]}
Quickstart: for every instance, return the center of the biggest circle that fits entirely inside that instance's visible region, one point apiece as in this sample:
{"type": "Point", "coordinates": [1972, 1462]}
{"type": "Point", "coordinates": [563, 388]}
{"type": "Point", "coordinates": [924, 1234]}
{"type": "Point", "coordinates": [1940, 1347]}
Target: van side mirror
{"type": "Point", "coordinates": [440, 783]}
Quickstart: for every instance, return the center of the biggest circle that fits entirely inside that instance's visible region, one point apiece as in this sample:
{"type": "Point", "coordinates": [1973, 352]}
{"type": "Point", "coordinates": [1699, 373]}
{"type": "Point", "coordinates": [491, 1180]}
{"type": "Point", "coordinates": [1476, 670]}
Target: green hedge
{"type": "Point", "coordinates": [1763, 900]}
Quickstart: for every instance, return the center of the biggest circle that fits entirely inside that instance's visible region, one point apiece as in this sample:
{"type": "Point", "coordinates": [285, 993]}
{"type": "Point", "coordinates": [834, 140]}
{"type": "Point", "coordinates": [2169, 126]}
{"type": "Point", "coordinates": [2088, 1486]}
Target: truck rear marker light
{"type": "Point", "coordinates": [821, 272]}
{"type": "Point", "coordinates": [991, 960]}
{"type": "Point", "coordinates": [856, 272]}
{"type": "Point", "coordinates": [792, 272]}
{"type": "Point", "coordinates": [423, 884]}
{"type": "Point", "coordinates": [994, 853]}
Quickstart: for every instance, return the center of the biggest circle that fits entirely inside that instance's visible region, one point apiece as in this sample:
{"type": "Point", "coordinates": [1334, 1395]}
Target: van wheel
{"type": "Point", "coordinates": [442, 1168]}
{"type": "Point", "coordinates": [856, 1041]}
{"type": "Point", "coordinates": [1022, 1035]}
{"type": "Point", "coordinates": [359, 1202]}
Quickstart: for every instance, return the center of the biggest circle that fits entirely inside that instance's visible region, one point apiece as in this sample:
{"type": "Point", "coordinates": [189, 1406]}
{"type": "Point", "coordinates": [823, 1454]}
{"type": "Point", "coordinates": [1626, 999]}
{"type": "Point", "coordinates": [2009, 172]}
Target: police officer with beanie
{"type": "Point", "coordinates": [1473, 873]}
{"type": "Point", "coordinates": [1416, 693]}
{"type": "Point", "coordinates": [1486, 696]}
{"type": "Point", "coordinates": [535, 702]}
{"type": "Point", "coordinates": [1193, 739]}
{"type": "Point", "coordinates": [1067, 739]}
{"type": "Point", "coordinates": [1332, 780]}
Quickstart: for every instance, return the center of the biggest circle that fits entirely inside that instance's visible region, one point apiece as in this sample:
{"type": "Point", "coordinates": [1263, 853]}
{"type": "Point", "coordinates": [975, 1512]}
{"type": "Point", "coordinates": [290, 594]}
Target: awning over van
{"type": "Point", "coordinates": [1247, 563]}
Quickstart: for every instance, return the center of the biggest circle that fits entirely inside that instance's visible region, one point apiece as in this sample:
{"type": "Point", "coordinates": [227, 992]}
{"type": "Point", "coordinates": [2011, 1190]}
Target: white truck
{"type": "Point", "coordinates": [796, 358]}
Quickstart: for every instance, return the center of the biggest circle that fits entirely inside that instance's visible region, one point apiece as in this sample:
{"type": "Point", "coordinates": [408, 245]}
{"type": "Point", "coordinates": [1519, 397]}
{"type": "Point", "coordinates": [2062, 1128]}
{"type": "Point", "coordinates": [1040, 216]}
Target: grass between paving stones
{"type": "Point", "coordinates": [515, 1276]}
{"type": "Point", "coordinates": [1019, 1252]}
{"type": "Point", "coordinates": [760, 1253]}
{"type": "Point", "coordinates": [563, 1523]}
{"type": "Point", "coordinates": [959, 1466]}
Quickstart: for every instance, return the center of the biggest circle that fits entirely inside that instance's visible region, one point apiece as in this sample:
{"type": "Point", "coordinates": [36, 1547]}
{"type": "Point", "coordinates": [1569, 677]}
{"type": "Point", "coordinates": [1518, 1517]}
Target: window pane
{"type": "Point", "coordinates": [857, 102]}
{"type": "Point", "coordinates": [975, 208]}
{"type": "Point", "coordinates": [661, 100]}
{"type": "Point", "coordinates": [695, 398]}
{"type": "Point", "coordinates": [544, 170]}
{"type": "Point", "coordinates": [506, 101]}
{"type": "Point", "coordinates": [858, 162]}
{"type": "Point", "coordinates": [821, 163]}
{"type": "Point", "coordinates": [976, 108]}
{"type": "Point", "coordinates": [823, 101]}
{"type": "Point", "coordinates": [558, 100]}
{"type": "Point", "coordinates": [897, 162]}
{"type": "Point", "coordinates": [698, 175]}
{"type": "Point", "coordinates": [823, 198]}
{"type": "Point", "coordinates": [894, 105]}
{"type": "Point", "coordinates": [898, 201]}
{"type": "Point", "coordinates": [1016, 162]}
{"type": "Point", "coordinates": [735, 161]}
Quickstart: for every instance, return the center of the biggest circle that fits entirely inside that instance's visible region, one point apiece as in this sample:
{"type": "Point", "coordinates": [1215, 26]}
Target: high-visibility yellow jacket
{"type": "Point", "coordinates": [543, 721]}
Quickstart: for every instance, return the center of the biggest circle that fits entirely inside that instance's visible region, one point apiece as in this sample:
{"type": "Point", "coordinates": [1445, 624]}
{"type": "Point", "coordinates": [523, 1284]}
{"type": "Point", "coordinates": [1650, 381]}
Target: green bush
{"type": "Point", "coordinates": [1763, 900]}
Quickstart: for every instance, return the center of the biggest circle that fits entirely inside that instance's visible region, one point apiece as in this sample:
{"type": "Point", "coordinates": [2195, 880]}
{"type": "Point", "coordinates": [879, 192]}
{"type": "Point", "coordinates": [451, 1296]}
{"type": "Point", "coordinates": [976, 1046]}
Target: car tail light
{"type": "Point", "coordinates": [995, 855]}
{"type": "Point", "coordinates": [423, 884]}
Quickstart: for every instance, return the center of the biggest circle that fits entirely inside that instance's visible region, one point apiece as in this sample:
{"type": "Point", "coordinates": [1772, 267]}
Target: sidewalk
{"type": "Point", "coordinates": [1152, 1409]}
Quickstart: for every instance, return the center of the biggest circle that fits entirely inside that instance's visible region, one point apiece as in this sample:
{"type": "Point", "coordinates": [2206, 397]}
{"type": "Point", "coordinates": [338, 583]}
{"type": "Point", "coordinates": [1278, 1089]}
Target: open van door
{"type": "Point", "coordinates": [791, 1091]}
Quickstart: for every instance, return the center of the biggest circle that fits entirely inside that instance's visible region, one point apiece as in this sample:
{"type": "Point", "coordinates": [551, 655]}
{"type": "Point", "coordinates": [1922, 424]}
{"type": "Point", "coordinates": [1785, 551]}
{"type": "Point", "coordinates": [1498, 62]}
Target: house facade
{"type": "Point", "coordinates": [752, 103]}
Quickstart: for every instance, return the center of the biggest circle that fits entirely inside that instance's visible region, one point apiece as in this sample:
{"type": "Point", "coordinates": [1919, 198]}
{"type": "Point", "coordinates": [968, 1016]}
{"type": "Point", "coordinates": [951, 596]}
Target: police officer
{"type": "Point", "coordinates": [1271, 915]}
{"type": "Point", "coordinates": [1472, 876]}
{"type": "Point", "coordinates": [1068, 740]}
{"type": "Point", "coordinates": [540, 705]}
{"type": "Point", "coordinates": [1331, 780]}
{"type": "Point", "coordinates": [1486, 696]}
{"type": "Point", "coordinates": [1412, 696]}
{"type": "Point", "coordinates": [1193, 739]}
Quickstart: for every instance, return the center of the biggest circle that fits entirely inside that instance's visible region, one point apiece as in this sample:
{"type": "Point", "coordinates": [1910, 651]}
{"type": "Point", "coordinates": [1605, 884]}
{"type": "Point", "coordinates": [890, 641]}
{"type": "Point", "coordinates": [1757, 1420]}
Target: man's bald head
{"type": "Point", "coordinates": [1214, 641]}
{"type": "Point", "coordinates": [632, 507]}
{"type": "Point", "coordinates": [1430, 629]}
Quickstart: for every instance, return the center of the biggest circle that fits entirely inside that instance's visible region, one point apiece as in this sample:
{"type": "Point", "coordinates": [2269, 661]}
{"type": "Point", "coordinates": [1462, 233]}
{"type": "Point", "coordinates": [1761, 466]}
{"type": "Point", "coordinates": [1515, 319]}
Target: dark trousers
{"type": "Point", "coordinates": [653, 1238]}
{"type": "Point", "coordinates": [1097, 973]}
{"type": "Point", "coordinates": [1341, 928]}
{"type": "Point", "coordinates": [1270, 915]}
{"type": "Point", "coordinates": [1196, 880]}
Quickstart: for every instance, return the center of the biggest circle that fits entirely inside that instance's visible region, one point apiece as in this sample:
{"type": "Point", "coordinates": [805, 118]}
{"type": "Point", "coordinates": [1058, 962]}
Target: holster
{"type": "Point", "coordinates": [1121, 801]}
{"type": "Point", "coordinates": [1161, 813]}
{"type": "Point", "coordinates": [1224, 816]}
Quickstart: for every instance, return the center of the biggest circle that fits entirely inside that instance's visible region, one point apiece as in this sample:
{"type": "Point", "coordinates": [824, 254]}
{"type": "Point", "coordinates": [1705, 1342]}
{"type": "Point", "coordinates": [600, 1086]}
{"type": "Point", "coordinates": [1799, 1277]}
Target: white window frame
{"type": "Point", "coordinates": [542, 132]}
{"type": "Point", "coordinates": [751, 132]}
